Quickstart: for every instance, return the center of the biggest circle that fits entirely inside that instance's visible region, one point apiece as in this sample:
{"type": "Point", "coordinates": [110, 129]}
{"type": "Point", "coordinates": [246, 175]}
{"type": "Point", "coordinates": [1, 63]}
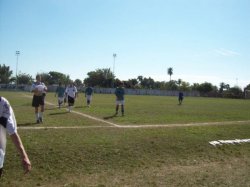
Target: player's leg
{"type": "Point", "coordinates": [71, 102]}
{"type": "Point", "coordinates": [37, 115]}
{"type": "Point", "coordinates": [60, 101]}
{"type": "Point", "coordinates": [116, 109]}
{"type": "Point", "coordinates": [35, 104]}
{"type": "Point", "coordinates": [122, 107]}
{"type": "Point", "coordinates": [42, 103]}
{"type": "Point", "coordinates": [41, 113]}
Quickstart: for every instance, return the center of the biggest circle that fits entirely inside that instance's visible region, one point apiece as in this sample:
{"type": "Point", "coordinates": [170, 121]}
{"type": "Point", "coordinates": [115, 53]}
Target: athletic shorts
{"type": "Point", "coordinates": [60, 99]}
{"type": "Point", "coordinates": [89, 97]}
{"type": "Point", "coordinates": [38, 100]}
{"type": "Point", "coordinates": [120, 102]}
{"type": "Point", "coordinates": [71, 100]}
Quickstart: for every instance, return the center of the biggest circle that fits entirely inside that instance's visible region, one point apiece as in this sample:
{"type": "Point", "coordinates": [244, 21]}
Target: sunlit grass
{"type": "Point", "coordinates": [110, 156]}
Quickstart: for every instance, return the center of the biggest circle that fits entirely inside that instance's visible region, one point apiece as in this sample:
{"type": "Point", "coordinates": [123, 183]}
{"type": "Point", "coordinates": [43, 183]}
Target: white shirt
{"type": "Point", "coordinates": [7, 112]}
{"type": "Point", "coordinates": [40, 86]}
{"type": "Point", "coordinates": [11, 127]}
{"type": "Point", "coordinates": [71, 91]}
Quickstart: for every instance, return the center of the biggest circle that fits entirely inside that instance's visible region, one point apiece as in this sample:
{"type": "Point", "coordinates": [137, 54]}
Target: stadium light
{"type": "Point", "coordinates": [17, 55]}
{"type": "Point", "coordinates": [114, 55]}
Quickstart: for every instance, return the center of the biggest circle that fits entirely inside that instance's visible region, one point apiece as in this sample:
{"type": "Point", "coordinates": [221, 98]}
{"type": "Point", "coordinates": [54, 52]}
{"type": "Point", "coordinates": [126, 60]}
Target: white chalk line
{"type": "Point", "coordinates": [84, 115]}
{"type": "Point", "coordinates": [140, 126]}
{"type": "Point", "coordinates": [231, 142]}
{"type": "Point", "coordinates": [112, 125]}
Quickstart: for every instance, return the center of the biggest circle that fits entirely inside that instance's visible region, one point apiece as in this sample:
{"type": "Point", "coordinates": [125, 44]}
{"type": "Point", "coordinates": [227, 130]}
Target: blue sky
{"type": "Point", "coordinates": [202, 40]}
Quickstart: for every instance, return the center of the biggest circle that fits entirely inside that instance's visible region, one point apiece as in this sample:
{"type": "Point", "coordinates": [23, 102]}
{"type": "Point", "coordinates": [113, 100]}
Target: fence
{"type": "Point", "coordinates": [52, 88]}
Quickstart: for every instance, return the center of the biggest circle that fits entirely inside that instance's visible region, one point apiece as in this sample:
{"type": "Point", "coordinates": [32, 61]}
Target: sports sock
{"type": "Point", "coordinates": [37, 116]}
{"type": "Point", "coordinates": [41, 114]}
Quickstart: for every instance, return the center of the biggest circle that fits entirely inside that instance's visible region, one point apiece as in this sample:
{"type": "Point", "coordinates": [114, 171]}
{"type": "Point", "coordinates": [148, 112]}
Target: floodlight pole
{"type": "Point", "coordinates": [17, 55]}
{"type": "Point", "coordinates": [114, 55]}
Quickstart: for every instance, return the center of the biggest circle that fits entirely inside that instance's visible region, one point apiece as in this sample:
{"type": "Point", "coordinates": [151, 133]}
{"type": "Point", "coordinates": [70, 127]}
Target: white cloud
{"type": "Point", "coordinates": [226, 52]}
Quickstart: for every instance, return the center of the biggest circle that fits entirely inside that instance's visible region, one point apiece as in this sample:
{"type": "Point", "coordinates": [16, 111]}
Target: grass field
{"type": "Point", "coordinates": [156, 143]}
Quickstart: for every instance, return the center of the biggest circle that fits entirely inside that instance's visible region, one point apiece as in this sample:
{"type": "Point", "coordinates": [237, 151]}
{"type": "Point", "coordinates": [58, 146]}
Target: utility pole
{"type": "Point", "coordinates": [114, 56]}
{"type": "Point", "coordinates": [17, 55]}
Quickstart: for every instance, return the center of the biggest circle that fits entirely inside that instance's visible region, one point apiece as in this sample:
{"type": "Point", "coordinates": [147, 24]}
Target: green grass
{"type": "Point", "coordinates": [176, 156]}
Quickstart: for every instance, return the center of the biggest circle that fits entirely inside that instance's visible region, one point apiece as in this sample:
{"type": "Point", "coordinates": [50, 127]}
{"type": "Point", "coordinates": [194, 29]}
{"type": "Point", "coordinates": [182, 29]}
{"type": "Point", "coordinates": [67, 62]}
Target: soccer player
{"type": "Point", "coordinates": [60, 91]}
{"type": "Point", "coordinates": [180, 97]}
{"type": "Point", "coordinates": [71, 94]}
{"type": "Point", "coordinates": [88, 95]}
{"type": "Point", "coordinates": [8, 125]}
{"type": "Point", "coordinates": [119, 92]}
{"type": "Point", "coordinates": [39, 89]}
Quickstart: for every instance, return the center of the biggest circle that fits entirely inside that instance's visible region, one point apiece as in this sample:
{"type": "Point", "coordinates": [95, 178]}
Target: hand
{"type": "Point", "coordinates": [26, 165]}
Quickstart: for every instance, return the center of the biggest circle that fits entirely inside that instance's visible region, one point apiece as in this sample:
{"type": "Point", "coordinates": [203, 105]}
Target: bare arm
{"type": "Point", "coordinates": [24, 157]}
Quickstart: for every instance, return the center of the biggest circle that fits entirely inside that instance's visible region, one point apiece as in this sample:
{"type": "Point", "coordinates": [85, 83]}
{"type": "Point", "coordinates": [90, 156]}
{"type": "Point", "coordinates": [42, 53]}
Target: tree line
{"type": "Point", "coordinates": [106, 79]}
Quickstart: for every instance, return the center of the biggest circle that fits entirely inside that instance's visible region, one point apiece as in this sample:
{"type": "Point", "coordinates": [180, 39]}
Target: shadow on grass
{"type": "Point", "coordinates": [54, 108]}
{"type": "Point", "coordinates": [110, 117]}
{"type": "Point", "coordinates": [79, 107]}
{"type": "Point", "coordinates": [26, 124]}
{"type": "Point", "coordinates": [58, 113]}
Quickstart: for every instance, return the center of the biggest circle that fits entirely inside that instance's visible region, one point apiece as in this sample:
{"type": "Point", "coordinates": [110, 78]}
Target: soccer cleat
{"type": "Point", "coordinates": [38, 121]}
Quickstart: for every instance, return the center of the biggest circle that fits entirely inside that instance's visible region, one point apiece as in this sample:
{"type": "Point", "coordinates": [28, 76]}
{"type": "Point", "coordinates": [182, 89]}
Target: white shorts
{"type": "Point", "coordinates": [2, 144]}
{"type": "Point", "coordinates": [89, 97]}
{"type": "Point", "coordinates": [60, 99]}
{"type": "Point", "coordinates": [120, 102]}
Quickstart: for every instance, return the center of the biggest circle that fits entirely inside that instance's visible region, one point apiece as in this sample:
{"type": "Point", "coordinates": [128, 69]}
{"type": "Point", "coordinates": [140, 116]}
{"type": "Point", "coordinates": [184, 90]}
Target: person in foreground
{"type": "Point", "coordinates": [119, 92]}
{"type": "Point", "coordinates": [71, 94]}
{"type": "Point", "coordinates": [39, 89]}
{"type": "Point", "coordinates": [8, 125]}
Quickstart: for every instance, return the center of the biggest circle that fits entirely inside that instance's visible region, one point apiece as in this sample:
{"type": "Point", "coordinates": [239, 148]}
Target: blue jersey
{"type": "Point", "coordinates": [60, 91]}
{"type": "Point", "coordinates": [119, 92]}
{"type": "Point", "coordinates": [180, 95]}
{"type": "Point", "coordinates": [89, 91]}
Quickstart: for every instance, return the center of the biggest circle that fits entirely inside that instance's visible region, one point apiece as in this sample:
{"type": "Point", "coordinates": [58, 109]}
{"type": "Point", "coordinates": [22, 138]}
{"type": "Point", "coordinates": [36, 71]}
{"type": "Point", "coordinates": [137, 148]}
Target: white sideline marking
{"type": "Point", "coordinates": [65, 127]}
{"type": "Point", "coordinates": [94, 118]}
{"type": "Point", "coordinates": [132, 126]}
{"type": "Point", "coordinates": [84, 115]}
{"type": "Point", "coordinates": [233, 142]}
{"type": "Point", "coordinates": [139, 126]}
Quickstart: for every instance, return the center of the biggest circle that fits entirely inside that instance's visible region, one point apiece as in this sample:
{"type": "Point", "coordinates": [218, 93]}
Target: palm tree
{"type": "Point", "coordinates": [170, 72]}
{"type": "Point", "coordinates": [179, 82]}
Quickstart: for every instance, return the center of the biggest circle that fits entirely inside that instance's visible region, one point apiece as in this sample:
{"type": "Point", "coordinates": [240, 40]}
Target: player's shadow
{"type": "Point", "coordinates": [26, 124]}
{"type": "Point", "coordinates": [51, 108]}
{"type": "Point", "coordinates": [110, 117]}
{"type": "Point", "coordinates": [78, 107]}
{"type": "Point", "coordinates": [58, 113]}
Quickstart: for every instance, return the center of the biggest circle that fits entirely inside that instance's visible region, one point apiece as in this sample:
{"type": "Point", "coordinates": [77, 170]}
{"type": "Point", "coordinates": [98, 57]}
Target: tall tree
{"type": "Point", "coordinates": [205, 87]}
{"type": "Point", "coordinates": [56, 77]}
{"type": "Point", "coordinates": [24, 78]}
{"type": "Point", "coordinates": [170, 72]}
{"type": "Point", "coordinates": [140, 78]}
{"type": "Point", "coordinates": [78, 82]}
{"type": "Point", "coordinates": [5, 74]}
{"type": "Point", "coordinates": [179, 82]}
{"type": "Point", "coordinates": [222, 86]}
{"type": "Point", "coordinates": [247, 87]}
{"type": "Point", "coordinates": [100, 77]}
